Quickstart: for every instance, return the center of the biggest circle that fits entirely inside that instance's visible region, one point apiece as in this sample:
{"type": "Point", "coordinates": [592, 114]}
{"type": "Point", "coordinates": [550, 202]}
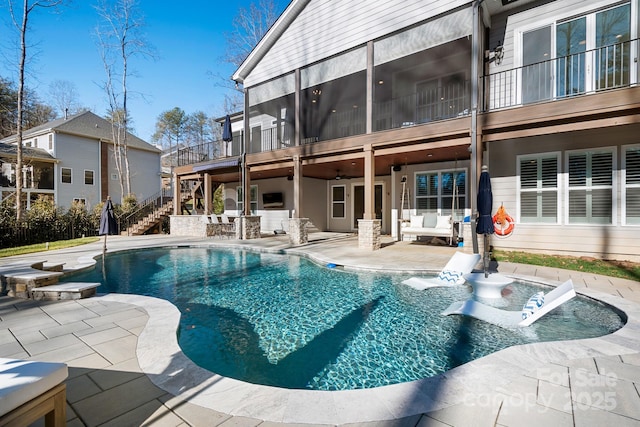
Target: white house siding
{"type": "Point", "coordinates": [613, 241]}
{"type": "Point", "coordinates": [327, 27]}
{"type": "Point", "coordinates": [79, 154]}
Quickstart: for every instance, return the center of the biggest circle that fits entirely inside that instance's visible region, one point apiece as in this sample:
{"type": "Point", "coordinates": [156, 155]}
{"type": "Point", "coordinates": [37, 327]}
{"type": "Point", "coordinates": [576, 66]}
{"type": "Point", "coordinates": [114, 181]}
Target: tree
{"type": "Point", "coordinates": [21, 23]}
{"type": "Point", "coordinates": [65, 96]}
{"type": "Point", "coordinates": [171, 127]}
{"type": "Point", "coordinates": [249, 26]}
{"type": "Point", "coordinates": [120, 39]}
{"type": "Point", "coordinates": [198, 128]}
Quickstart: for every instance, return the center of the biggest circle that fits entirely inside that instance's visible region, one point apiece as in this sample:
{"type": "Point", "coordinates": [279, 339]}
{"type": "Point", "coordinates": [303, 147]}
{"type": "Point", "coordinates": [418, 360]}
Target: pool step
{"type": "Point", "coordinates": [65, 291]}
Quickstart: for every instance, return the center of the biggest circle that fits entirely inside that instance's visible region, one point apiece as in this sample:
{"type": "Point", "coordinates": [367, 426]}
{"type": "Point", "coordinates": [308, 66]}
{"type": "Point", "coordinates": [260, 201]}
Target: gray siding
{"type": "Point", "coordinates": [79, 154]}
{"type": "Point", "coordinates": [606, 241]}
{"type": "Point", "coordinates": [327, 27]}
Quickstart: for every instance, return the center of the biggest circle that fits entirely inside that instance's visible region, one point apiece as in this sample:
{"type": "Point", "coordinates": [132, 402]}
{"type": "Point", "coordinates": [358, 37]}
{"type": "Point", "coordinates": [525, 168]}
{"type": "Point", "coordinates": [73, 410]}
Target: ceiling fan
{"type": "Point", "coordinates": [339, 177]}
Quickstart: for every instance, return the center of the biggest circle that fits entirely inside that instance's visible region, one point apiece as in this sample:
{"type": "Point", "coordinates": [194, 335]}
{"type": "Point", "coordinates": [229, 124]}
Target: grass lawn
{"type": "Point", "coordinates": [41, 247]}
{"type": "Point", "coordinates": [622, 269]}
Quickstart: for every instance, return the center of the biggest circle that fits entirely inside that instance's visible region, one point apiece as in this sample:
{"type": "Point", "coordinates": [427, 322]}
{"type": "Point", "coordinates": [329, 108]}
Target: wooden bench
{"type": "Point", "coordinates": [65, 291]}
{"type": "Point", "coordinates": [30, 390]}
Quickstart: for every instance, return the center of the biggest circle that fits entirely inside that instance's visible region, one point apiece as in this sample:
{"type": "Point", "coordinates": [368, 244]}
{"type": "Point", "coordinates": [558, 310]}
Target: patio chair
{"type": "Point", "coordinates": [228, 227]}
{"type": "Point", "coordinates": [30, 390]}
{"type": "Point", "coordinates": [452, 274]}
{"type": "Point", "coordinates": [537, 306]}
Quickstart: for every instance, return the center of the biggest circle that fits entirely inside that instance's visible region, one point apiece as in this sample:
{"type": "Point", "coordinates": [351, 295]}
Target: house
{"type": "Point", "coordinates": [72, 159]}
{"type": "Point", "coordinates": [359, 113]}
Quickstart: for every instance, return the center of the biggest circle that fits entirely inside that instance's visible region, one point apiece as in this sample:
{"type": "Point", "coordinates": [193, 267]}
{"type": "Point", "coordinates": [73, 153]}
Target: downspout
{"type": "Point", "coordinates": [474, 122]}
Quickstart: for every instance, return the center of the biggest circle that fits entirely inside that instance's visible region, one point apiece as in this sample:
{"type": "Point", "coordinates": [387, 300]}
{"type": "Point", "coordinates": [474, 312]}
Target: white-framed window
{"type": "Point", "coordinates": [114, 177]}
{"type": "Point", "coordinates": [631, 184]}
{"type": "Point", "coordinates": [590, 186]}
{"type": "Point", "coordinates": [437, 191]}
{"type": "Point", "coordinates": [538, 184]}
{"type": "Point", "coordinates": [50, 141]}
{"type": "Point", "coordinates": [253, 199]}
{"type": "Point", "coordinates": [338, 201]}
{"type": "Point", "coordinates": [88, 177]}
{"type": "Point", "coordinates": [65, 175]}
{"type": "Point", "coordinates": [582, 52]}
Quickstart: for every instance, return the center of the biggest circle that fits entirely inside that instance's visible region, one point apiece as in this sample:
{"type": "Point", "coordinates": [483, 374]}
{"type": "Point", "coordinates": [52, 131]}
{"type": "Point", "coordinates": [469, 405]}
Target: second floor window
{"type": "Point", "coordinates": [65, 175]}
{"type": "Point", "coordinates": [88, 177]}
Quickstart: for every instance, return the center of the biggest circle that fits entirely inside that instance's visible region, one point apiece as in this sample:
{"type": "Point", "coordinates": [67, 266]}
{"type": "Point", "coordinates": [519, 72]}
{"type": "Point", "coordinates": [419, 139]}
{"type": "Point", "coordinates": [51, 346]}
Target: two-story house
{"type": "Point", "coordinates": [356, 111]}
{"type": "Point", "coordinates": [72, 159]}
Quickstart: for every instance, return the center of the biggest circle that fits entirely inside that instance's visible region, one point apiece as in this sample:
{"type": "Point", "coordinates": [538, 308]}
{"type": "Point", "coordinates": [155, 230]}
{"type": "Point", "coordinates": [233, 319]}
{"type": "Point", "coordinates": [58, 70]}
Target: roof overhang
{"type": "Point", "coordinates": [218, 164]}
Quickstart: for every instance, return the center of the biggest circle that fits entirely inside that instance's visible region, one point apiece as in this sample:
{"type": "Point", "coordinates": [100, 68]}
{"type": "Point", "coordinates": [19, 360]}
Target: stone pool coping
{"type": "Point", "coordinates": [161, 358]}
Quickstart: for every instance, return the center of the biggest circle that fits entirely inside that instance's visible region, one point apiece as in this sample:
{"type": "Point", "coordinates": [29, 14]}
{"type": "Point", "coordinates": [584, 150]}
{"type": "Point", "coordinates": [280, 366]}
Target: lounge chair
{"type": "Point", "coordinates": [228, 227]}
{"type": "Point", "coordinates": [452, 274]}
{"type": "Point", "coordinates": [536, 307]}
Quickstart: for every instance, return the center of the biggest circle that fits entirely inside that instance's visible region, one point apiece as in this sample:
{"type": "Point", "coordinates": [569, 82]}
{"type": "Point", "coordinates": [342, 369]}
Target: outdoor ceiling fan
{"type": "Point", "coordinates": [339, 177]}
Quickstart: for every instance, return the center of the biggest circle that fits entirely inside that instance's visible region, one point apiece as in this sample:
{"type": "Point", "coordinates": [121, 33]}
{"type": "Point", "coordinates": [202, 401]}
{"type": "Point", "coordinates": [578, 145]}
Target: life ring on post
{"type": "Point", "coordinates": [503, 225]}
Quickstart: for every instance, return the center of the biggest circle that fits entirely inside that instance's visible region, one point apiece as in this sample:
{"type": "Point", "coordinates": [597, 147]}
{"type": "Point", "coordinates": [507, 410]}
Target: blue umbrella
{"type": "Point", "coordinates": [227, 136]}
{"type": "Point", "coordinates": [108, 224]}
{"type": "Point", "coordinates": [484, 225]}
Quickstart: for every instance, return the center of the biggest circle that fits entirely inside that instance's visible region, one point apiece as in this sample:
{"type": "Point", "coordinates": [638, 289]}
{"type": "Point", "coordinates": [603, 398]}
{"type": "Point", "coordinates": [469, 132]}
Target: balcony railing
{"type": "Point", "coordinates": [437, 103]}
{"type": "Point", "coordinates": [608, 67]}
{"type": "Point", "coordinates": [209, 151]}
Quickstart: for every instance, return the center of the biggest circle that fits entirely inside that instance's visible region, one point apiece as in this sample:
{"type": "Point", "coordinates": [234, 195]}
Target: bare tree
{"type": "Point", "coordinates": [249, 26]}
{"type": "Point", "coordinates": [120, 38]}
{"type": "Point", "coordinates": [64, 95]}
{"type": "Point", "coordinates": [21, 22]}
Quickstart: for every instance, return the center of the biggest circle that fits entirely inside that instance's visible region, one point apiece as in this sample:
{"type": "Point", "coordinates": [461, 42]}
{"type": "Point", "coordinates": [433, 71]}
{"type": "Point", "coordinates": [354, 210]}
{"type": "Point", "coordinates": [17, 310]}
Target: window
{"type": "Point", "coordinates": [65, 174]}
{"type": "Point", "coordinates": [538, 188]}
{"type": "Point", "coordinates": [50, 141]}
{"type": "Point", "coordinates": [82, 202]}
{"type": "Point", "coordinates": [338, 200]}
{"type": "Point", "coordinates": [582, 54]}
{"type": "Point", "coordinates": [88, 177]}
{"type": "Point", "coordinates": [437, 191]}
{"type": "Point", "coordinates": [590, 187]}
{"type": "Point", "coordinates": [631, 186]}
{"type": "Point", "coordinates": [253, 201]}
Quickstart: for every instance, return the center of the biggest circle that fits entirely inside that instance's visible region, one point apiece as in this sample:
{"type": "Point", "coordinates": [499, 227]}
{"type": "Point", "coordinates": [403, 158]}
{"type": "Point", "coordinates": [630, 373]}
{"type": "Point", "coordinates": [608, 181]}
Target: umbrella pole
{"type": "Point", "coordinates": [485, 259]}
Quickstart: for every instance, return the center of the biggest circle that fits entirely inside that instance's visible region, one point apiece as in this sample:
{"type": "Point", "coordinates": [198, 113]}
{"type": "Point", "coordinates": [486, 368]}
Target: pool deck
{"type": "Point", "coordinates": [125, 367]}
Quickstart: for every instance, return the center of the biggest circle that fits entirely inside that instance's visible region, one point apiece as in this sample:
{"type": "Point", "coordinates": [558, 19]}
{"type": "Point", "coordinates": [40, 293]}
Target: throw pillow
{"type": "Point", "coordinates": [451, 277]}
{"type": "Point", "coordinates": [416, 221]}
{"type": "Point", "coordinates": [443, 222]}
{"type": "Point", "coordinates": [533, 304]}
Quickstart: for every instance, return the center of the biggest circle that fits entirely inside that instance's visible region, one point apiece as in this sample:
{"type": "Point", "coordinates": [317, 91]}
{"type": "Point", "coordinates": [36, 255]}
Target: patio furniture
{"type": "Point", "coordinates": [228, 227]}
{"type": "Point", "coordinates": [30, 390]}
{"type": "Point", "coordinates": [214, 227]}
{"type": "Point", "coordinates": [452, 274]}
{"type": "Point", "coordinates": [537, 306]}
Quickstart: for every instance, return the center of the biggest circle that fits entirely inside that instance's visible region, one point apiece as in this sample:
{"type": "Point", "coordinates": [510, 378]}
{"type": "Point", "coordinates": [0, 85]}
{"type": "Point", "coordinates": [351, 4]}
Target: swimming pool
{"type": "Point", "coordinates": [282, 320]}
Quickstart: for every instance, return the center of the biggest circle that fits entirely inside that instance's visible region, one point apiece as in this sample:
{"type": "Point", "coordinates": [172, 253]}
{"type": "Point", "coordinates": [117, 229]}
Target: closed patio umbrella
{"type": "Point", "coordinates": [227, 135]}
{"type": "Point", "coordinates": [108, 224]}
{"type": "Point", "coordinates": [484, 225]}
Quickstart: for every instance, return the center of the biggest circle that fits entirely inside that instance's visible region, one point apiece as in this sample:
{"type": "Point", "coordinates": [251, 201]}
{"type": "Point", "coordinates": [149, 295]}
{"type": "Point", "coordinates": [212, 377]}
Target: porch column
{"type": "Point", "coordinates": [207, 194]}
{"type": "Point", "coordinates": [297, 224]}
{"type": "Point", "coordinates": [296, 109]}
{"type": "Point", "coordinates": [176, 195]}
{"type": "Point", "coordinates": [369, 101]}
{"type": "Point", "coordinates": [369, 227]}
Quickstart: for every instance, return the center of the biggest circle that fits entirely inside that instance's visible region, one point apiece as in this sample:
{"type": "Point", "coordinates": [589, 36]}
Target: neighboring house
{"type": "Point", "coordinates": [72, 159]}
{"type": "Point", "coordinates": [345, 100]}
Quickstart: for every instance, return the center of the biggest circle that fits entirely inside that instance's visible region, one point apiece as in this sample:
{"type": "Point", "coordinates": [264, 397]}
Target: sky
{"type": "Point", "coordinates": [188, 38]}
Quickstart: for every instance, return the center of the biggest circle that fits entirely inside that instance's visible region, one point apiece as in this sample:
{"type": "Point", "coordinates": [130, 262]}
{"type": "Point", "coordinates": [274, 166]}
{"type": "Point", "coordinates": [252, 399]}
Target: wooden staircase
{"type": "Point", "coordinates": [151, 221]}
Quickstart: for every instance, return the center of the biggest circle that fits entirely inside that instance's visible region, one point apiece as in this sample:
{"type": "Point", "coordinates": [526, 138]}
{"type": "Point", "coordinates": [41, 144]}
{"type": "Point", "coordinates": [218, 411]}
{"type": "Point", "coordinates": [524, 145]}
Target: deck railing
{"type": "Point", "coordinates": [604, 68]}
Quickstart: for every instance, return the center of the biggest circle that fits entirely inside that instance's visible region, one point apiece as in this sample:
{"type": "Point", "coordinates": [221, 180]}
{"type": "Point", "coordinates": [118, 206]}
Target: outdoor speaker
{"type": "Point", "coordinates": [397, 168]}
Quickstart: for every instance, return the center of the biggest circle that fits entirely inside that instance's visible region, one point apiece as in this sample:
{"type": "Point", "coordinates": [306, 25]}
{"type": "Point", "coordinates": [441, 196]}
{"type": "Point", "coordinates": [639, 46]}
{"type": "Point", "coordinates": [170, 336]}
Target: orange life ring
{"type": "Point", "coordinates": [503, 227]}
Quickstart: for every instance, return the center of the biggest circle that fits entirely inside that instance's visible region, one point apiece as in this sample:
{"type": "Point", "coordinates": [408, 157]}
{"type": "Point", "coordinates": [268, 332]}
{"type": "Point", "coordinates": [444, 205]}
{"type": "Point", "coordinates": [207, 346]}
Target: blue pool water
{"type": "Point", "coordinates": [284, 321]}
